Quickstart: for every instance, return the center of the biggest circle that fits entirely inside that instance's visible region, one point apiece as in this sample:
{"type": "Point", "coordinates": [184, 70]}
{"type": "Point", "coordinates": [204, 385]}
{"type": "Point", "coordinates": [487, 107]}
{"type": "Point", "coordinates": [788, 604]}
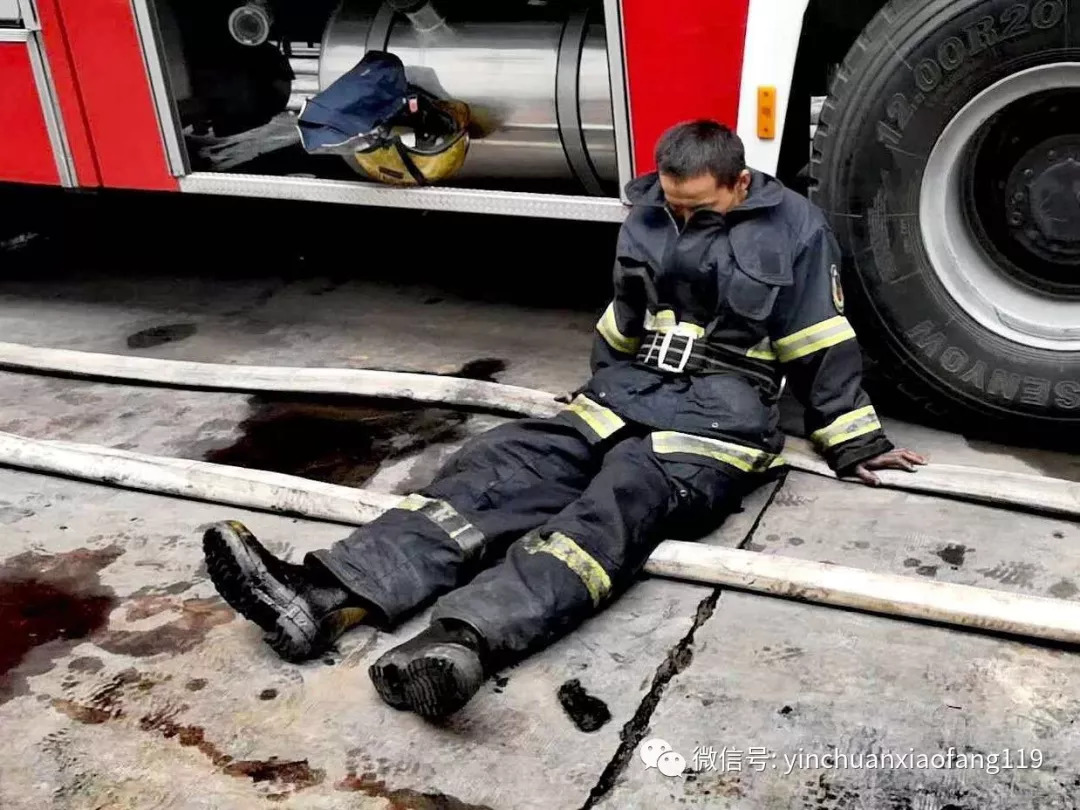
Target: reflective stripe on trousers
{"type": "Point", "coordinates": [584, 565]}
{"type": "Point", "coordinates": [745, 459]}
{"type": "Point", "coordinates": [849, 426]}
{"type": "Point", "coordinates": [448, 519]}
{"type": "Point", "coordinates": [601, 421]}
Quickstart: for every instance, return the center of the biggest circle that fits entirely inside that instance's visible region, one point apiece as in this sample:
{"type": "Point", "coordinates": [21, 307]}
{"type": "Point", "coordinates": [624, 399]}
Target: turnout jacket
{"type": "Point", "coordinates": [711, 318]}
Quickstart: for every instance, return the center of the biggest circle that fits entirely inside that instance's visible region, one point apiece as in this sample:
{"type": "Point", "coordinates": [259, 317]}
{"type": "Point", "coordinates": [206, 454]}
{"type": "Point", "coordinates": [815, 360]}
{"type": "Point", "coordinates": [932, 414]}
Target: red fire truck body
{"type": "Point", "coordinates": [947, 146]}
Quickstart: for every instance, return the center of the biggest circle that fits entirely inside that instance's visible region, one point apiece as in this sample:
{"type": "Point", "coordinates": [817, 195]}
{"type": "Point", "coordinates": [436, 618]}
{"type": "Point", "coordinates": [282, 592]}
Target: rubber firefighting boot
{"type": "Point", "coordinates": [433, 674]}
{"type": "Point", "coordinates": [300, 610]}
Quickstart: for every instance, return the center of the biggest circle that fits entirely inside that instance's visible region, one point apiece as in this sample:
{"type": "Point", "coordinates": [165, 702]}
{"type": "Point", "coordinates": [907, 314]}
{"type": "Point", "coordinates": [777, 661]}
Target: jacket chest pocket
{"type": "Point", "coordinates": [759, 270]}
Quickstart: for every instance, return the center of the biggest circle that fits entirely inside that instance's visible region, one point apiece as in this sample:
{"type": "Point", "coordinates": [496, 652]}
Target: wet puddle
{"type": "Point", "coordinates": [48, 603]}
{"type": "Point", "coordinates": [337, 442]}
{"type": "Point", "coordinates": [51, 602]}
{"type": "Point", "coordinates": [342, 440]}
{"type": "Point", "coordinates": [160, 335]}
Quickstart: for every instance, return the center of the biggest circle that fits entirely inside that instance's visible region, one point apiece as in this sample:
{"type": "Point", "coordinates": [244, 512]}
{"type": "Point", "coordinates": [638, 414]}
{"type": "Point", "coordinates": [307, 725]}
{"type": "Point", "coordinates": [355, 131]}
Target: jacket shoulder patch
{"type": "Point", "coordinates": [837, 289]}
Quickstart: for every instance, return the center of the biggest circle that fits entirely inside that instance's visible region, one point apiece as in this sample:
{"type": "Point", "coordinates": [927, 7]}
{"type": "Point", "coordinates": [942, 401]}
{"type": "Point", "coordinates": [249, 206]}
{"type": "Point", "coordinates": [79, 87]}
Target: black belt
{"type": "Point", "coordinates": [682, 354]}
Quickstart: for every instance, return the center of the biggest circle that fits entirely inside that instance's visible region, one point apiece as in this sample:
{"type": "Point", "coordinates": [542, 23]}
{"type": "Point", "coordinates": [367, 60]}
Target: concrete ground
{"type": "Point", "coordinates": [126, 683]}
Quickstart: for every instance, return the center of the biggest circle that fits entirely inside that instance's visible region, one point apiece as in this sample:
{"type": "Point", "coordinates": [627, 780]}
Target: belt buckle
{"type": "Point", "coordinates": [661, 359]}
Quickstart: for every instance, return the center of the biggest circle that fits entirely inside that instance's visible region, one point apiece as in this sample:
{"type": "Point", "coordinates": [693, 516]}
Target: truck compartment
{"type": "Point", "coordinates": [534, 73]}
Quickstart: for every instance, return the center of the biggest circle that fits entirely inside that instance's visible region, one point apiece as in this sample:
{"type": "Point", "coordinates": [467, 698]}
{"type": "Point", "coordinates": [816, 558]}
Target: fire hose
{"type": "Point", "coordinates": [961, 605]}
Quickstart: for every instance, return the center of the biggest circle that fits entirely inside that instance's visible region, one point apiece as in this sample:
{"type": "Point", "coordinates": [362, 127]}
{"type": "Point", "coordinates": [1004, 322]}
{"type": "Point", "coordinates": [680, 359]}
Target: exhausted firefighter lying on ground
{"type": "Point", "coordinates": [727, 286]}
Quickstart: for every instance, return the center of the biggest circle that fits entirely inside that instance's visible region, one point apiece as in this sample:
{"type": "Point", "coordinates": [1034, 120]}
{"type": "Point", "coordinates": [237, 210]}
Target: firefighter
{"type": "Point", "coordinates": [726, 284]}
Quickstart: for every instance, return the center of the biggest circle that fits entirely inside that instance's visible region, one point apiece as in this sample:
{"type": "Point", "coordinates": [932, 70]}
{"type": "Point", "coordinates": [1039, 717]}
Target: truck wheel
{"type": "Point", "coordinates": [948, 158]}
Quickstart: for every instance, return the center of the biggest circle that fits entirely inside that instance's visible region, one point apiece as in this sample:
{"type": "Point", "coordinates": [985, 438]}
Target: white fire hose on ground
{"type": "Point", "coordinates": [962, 605]}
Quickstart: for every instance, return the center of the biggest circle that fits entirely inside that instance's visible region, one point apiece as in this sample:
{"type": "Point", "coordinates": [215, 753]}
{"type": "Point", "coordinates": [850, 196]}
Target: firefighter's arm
{"type": "Point", "coordinates": [620, 329]}
{"type": "Point", "coordinates": [820, 355]}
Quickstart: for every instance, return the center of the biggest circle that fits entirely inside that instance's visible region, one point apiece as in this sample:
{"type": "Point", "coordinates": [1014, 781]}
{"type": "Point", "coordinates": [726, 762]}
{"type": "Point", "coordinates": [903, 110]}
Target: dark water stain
{"type": "Point", "coordinates": [483, 369]}
{"type": "Point", "coordinates": [87, 715]}
{"type": "Point", "coordinates": [162, 590]}
{"type": "Point", "coordinates": [1065, 589]}
{"type": "Point", "coordinates": [861, 544]}
{"type": "Point", "coordinates": [197, 617]}
{"type": "Point", "coordinates": [500, 683]}
{"type": "Point", "coordinates": [160, 335]}
{"type": "Point", "coordinates": [953, 554]}
{"type": "Point", "coordinates": [196, 684]}
{"type": "Point", "coordinates": [927, 570]}
{"type": "Point", "coordinates": [588, 713]}
{"type": "Point", "coordinates": [795, 541]}
{"type": "Point", "coordinates": [293, 774]}
{"type": "Point", "coordinates": [1012, 573]}
{"type": "Point", "coordinates": [104, 703]}
{"type": "Point", "coordinates": [402, 798]}
{"type": "Point", "coordinates": [1059, 535]}
{"type": "Point", "coordinates": [785, 710]}
{"type": "Point", "coordinates": [751, 546]}
{"type": "Point", "coordinates": [86, 663]}
{"type": "Point", "coordinates": [47, 604]}
{"type": "Point", "coordinates": [334, 440]}
{"type": "Point", "coordinates": [912, 562]}
{"type": "Point", "coordinates": [268, 694]}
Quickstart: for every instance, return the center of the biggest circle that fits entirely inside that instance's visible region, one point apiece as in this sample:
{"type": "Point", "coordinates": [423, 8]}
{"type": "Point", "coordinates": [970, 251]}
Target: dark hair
{"type": "Point", "coordinates": [694, 148]}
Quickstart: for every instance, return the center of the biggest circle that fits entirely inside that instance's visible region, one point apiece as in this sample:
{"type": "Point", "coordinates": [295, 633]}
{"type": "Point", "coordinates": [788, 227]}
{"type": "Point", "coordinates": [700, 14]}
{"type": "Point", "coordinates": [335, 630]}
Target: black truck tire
{"type": "Point", "coordinates": [914, 69]}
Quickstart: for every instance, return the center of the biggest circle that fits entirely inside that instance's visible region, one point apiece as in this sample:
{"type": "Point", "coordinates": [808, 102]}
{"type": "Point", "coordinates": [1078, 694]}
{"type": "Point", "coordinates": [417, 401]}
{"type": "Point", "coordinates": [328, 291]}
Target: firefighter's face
{"type": "Point", "coordinates": [703, 192]}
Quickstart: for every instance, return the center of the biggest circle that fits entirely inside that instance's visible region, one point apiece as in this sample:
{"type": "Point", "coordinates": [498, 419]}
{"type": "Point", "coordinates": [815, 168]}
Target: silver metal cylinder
{"type": "Point", "coordinates": [250, 23]}
{"type": "Point", "coordinates": [538, 89]}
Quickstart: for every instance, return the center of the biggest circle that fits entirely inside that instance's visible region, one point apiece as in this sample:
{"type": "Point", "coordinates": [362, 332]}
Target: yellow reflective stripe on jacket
{"type": "Point", "coordinates": [849, 426]}
{"type": "Point", "coordinates": [814, 338]}
{"type": "Point", "coordinates": [664, 321]}
{"type": "Point", "coordinates": [448, 519]}
{"type": "Point", "coordinates": [608, 327]}
{"type": "Point", "coordinates": [602, 421]}
{"type": "Point", "coordinates": [747, 459]}
{"type": "Point", "coordinates": [589, 571]}
{"type": "Point", "coordinates": [762, 351]}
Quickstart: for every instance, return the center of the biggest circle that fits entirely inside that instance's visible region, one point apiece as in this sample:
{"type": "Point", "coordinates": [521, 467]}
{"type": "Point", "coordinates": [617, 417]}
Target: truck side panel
{"type": "Point", "coordinates": [683, 60]}
{"type": "Point", "coordinates": [112, 80]}
{"type": "Point", "coordinates": [66, 90]}
{"type": "Point", "coordinates": [26, 153]}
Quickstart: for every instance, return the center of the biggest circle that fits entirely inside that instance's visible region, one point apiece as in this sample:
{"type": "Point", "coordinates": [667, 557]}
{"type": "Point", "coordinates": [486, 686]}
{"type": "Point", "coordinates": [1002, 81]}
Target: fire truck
{"type": "Point", "coordinates": [945, 148]}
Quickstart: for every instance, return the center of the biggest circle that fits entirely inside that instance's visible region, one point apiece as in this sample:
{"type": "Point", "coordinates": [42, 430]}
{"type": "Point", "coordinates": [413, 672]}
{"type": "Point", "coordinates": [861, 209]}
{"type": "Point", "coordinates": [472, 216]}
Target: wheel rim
{"type": "Point", "coordinates": [999, 209]}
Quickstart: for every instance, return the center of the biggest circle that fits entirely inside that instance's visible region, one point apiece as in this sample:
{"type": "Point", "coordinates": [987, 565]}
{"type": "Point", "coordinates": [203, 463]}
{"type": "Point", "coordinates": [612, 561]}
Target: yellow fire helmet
{"type": "Point", "coordinates": [387, 128]}
{"type": "Point", "coordinates": [411, 155]}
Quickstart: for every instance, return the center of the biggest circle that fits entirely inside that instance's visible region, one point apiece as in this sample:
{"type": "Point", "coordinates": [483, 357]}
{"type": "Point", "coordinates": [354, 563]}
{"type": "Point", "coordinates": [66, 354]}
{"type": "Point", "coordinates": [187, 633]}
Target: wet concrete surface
{"type": "Point", "coordinates": [130, 684]}
{"type": "Point", "coordinates": [336, 442]}
{"type": "Point", "coordinates": [47, 604]}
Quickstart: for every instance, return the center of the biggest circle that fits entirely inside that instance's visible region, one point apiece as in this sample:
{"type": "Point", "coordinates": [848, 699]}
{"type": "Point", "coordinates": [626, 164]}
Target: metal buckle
{"type": "Point", "coordinates": [661, 359]}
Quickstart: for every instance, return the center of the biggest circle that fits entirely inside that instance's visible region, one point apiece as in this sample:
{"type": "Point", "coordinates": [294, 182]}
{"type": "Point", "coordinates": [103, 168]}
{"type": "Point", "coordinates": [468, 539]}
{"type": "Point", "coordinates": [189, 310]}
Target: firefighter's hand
{"type": "Point", "coordinates": [893, 460]}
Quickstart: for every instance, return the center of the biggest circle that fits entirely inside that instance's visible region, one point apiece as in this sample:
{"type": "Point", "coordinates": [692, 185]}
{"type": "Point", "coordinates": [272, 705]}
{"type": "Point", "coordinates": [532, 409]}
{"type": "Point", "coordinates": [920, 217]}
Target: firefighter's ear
{"type": "Point", "coordinates": [743, 183]}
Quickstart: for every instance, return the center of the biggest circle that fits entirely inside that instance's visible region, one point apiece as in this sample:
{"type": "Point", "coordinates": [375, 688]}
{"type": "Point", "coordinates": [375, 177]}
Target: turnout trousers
{"type": "Point", "coordinates": [533, 526]}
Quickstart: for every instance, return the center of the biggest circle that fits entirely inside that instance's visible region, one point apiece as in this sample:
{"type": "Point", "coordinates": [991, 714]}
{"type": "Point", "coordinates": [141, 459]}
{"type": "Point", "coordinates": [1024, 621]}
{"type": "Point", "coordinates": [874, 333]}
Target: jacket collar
{"type": "Point", "coordinates": [765, 192]}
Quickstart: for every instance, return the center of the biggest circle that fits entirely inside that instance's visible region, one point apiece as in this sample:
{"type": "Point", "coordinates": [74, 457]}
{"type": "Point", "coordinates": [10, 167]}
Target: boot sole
{"type": "Point", "coordinates": [248, 587]}
{"type": "Point", "coordinates": [435, 684]}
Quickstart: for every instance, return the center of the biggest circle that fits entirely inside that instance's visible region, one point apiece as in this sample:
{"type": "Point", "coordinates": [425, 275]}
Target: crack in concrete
{"type": "Point", "coordinates": [678, 659]}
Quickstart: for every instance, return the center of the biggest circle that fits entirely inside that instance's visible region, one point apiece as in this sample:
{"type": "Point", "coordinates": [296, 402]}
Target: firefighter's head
{"type": "Point", "coordinates": [702, 165]}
